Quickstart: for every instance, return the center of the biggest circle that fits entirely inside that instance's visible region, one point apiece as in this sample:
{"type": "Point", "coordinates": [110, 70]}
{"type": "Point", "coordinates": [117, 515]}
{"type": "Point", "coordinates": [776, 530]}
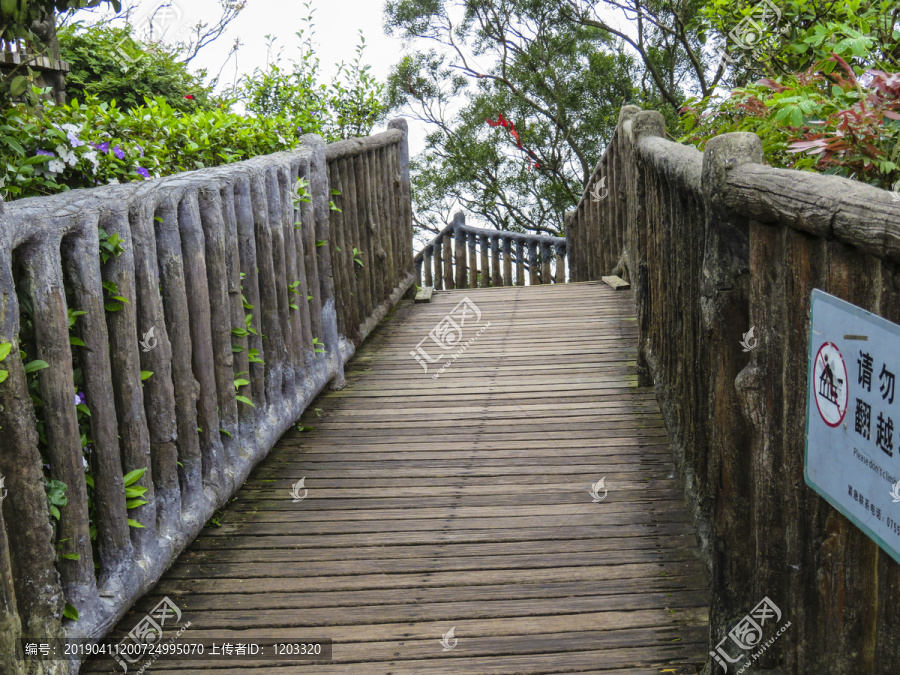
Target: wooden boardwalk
{"type": "Point", "coordinates": [462, 502]}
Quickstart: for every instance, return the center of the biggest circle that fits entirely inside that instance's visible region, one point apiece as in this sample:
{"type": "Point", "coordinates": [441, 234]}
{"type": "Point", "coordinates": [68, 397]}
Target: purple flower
{"type": "Point", "coordinates": [102, 147]}
{"type": "Point", "coordinates": [80, 399]}
{"type": "Point", "coordinates": [299, 130]}
{"type": "Point", "coordinates": [118, 152]}
{"type": "Point", "coordinates": [74, 140]}
{"type": "Point", "coordinates": [45, 153]}
{"type": "Point", "coordinates": [141, 150]}
{"type": "Point", "coordinates": [141, 170]}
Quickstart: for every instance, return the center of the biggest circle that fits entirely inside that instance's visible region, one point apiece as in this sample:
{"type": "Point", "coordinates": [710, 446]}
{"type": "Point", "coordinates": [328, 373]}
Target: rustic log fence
{"type": "Point", "coordinates": [239, 289]}
{"type": "Point", "coordinates": [451, 259]}
{"type": "Point", "coordinates": [713, 243]}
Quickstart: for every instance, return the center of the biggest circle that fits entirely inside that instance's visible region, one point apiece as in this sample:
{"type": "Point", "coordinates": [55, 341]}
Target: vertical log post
{"type": "Point", "coordinates": [496, 278]}
{"type": "Point", "coordinates": [507, 261]}
{"type": "Point", "coordinates": [438, 263]}
{"type": "Point", "coordinates": [534, 277]}
{"type": "Point", "coordinates": [462, 279]}
{"type": "Point", "coordinates": [520, 263]}
{"type": "Point", "coordinates": [485, 265]}
{"type": "Point", "coordinates": [546, 257]}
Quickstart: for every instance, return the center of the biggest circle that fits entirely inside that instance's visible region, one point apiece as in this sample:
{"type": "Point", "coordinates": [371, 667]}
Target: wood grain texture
{"type": "Point", "coordinates": [462, 500]}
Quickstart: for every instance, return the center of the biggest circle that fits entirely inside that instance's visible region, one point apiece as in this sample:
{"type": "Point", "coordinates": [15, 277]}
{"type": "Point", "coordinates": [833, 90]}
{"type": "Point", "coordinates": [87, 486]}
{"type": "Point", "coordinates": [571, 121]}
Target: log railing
{"type": "Point", "coordinates": [451, 259]}
{"type": "Point", "coordinates": [713, 243]}
{"type": "Point", "coordinates": [239, 293]}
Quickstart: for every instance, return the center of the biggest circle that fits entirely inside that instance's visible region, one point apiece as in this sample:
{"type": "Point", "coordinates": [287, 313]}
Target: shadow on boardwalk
{"type": "Point", "coordinates": [462, 502]}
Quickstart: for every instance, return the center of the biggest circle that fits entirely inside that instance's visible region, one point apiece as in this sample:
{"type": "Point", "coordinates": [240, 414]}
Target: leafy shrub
{"type": "Point", "coordinates": [840, 124]}
{"type": "Point", "coordinates": [95, 143]}
{"type": "Point", "coordinates": [349, 106]}
{"type": "Point", "coordinates": [111, 65]}
{"type": "Point", "coordinates": [829, 98]}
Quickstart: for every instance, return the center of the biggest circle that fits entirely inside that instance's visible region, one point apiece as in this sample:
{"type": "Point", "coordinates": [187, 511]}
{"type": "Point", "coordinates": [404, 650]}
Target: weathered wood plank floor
{"type": "Point", "coordinates": [462, 502]}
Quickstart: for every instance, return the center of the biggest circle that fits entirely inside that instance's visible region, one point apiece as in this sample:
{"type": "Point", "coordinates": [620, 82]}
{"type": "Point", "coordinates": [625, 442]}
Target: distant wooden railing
{"type": "Point", "coordinates": [236, 282]}
{"type": "Point", "coordinates": [451, 259]}
{"type": "Point", "coordinates": [715, 243]}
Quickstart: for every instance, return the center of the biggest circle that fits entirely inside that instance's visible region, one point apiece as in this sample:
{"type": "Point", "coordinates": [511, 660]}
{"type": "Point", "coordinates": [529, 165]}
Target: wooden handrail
{"type": "Point", "coordinates": [435, 263]}
{"type": "Point", "coordinates": [235, 284]}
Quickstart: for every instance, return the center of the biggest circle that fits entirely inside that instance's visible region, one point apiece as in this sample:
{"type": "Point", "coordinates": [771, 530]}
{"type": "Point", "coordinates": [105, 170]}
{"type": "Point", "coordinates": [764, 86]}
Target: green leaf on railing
{"type": "Point", "coordinates": [5, 348]}
{"type": "Point", "coordinates": [253, 354]}
{"type": "Point", "coordinates": [3, 375]}
{"type": "Point", "coordinates": [244, 399]}
{"type": "Point", "coordinates": [134, 503]}
{"type": "Point", "coordinates": [321, 242]}
{"type": "Point", "coordinates": [70, 612]}
{"type": "Point", "coordinates": [71, 556]}
{"type": "Point", "coordinates": [56, 496]}
{"type": "Point", "coordinates": [135, 492]}
{"type": "Point", "coordinates": [237, 349]}
{"type": "Point", "coordinates": [241, 383]}
{"type": "Point", "coordinates": [135, 523]}
{"type": "Point", "coordinates": [35, 366]}
{"type": "Point", "coordinates": [133, 477]}
{"type": "Point", "coordinates": [226, 433]}
{"type": "Point", "coordinates": [75, 341]}
{"type": "Point", "coordinates": [146, 375]}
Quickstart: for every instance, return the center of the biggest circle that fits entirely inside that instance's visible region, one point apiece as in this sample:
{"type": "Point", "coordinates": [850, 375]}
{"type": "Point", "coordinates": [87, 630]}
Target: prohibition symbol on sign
{"type": "Point", "coordinates": [830, 382]}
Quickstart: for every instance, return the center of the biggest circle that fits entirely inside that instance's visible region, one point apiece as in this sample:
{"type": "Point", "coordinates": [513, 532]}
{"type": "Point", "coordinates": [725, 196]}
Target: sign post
{"type": "Point", "coordinates": [852, 446]}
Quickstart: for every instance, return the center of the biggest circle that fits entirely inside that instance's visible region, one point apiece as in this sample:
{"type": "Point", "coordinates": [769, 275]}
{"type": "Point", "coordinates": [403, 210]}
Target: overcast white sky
{"type": "Point", "coordinates": [337, 25]}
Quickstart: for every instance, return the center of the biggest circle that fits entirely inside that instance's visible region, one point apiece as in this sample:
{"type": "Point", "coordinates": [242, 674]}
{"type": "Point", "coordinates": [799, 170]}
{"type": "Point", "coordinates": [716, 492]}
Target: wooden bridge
{"type": "Point", "coordinates": [531, 473]}
{"type": "Point", "coordinates": [463, 501]}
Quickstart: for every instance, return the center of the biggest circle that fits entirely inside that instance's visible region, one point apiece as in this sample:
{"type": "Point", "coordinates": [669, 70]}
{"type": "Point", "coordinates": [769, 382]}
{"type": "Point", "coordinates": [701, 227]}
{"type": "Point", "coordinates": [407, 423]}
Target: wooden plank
{"type": "Point", "coordinates": [616, 283]}
{"type": "Point", "coordinates": [424, 294]}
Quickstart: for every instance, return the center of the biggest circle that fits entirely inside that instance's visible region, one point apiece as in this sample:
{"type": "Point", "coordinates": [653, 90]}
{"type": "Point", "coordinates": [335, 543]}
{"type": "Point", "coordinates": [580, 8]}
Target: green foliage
{"type": "Point", "coordinates": [349, 106]}
{"type": "Point", "coordinates": [808, 32]}
{"type": "Point", "coordinates": [110, 64]}
{"type": "Point", "coordinates": [134, 493]}
{"type": "Point", "coordinates": [238, 383]}
{"type": "Point", "coordinates": [4, 352]}
{"type": "Point", "coordinates": [18, 16]}
{"type": "Point", "coordinates": [559, 82]}
{"type": "Point", "coordinates": [96, 143]}
{"type": "Point", "coordinates": [56, 496]}
{"type": "Point", "coordinates": [830, 100]}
